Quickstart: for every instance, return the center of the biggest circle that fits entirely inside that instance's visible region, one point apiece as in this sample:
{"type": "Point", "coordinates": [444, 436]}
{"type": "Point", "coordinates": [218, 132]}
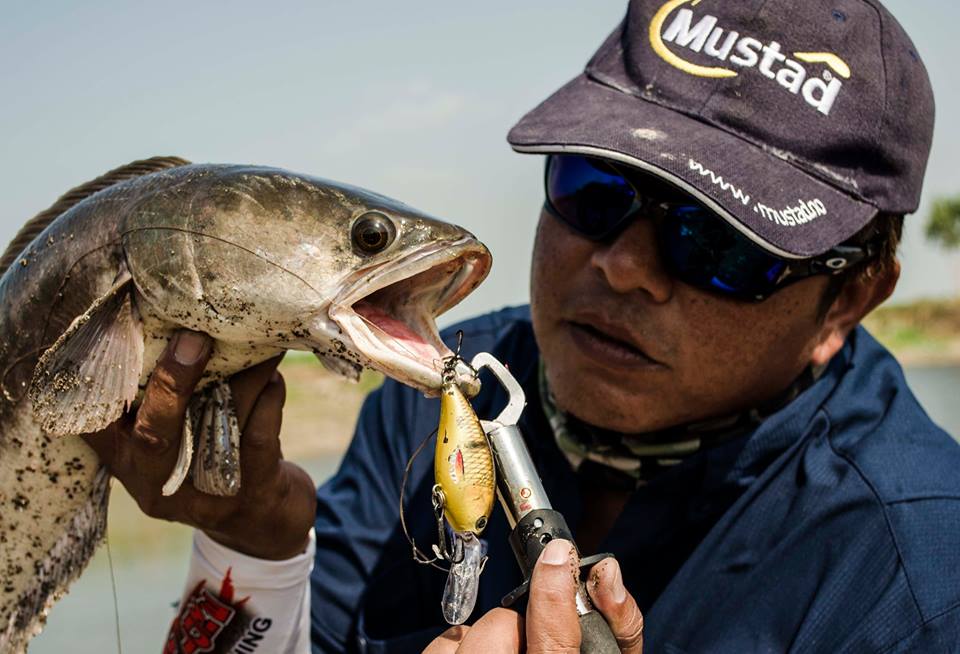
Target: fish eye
{"type": "Point", "coordinates": [373, 232]}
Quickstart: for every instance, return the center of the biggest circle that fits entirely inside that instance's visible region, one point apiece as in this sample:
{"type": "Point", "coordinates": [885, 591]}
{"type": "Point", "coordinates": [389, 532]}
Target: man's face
{"type": "Point", "coordinates": [629, 348]}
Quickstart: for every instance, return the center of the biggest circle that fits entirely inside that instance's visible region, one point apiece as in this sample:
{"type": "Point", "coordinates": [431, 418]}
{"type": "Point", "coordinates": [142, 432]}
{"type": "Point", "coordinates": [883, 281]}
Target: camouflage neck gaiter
{"type": "Point", "coordinates": [626, 460]}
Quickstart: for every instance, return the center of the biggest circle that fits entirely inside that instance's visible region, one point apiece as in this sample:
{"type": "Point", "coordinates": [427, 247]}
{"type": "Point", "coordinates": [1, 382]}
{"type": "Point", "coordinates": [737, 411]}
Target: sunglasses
{"type": "Point", "coordinates": [598, 199]}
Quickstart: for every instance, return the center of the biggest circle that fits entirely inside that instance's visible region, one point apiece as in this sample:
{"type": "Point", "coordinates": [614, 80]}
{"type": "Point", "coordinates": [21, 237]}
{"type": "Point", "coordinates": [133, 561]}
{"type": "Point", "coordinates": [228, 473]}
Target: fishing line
{"type": "Point", "coordinates": [116, 604]}
{"type": "Point", "coordinates": [418, 555]}
{"type": "Point", "coordinates": [13, 364]}
{"type": "Point", "coordinates": [259, 256]}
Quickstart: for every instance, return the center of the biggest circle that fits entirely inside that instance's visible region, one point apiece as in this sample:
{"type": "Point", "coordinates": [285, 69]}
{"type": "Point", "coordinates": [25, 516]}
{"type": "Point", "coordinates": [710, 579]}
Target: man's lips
{"type": "Point", "coordinates": [610, 344]}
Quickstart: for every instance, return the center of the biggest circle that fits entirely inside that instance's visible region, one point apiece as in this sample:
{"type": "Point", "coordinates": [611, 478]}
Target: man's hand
{"type": "Point", "coordinates": [552, 626]}
{"type": "Point", "coordinates": [273, 512]}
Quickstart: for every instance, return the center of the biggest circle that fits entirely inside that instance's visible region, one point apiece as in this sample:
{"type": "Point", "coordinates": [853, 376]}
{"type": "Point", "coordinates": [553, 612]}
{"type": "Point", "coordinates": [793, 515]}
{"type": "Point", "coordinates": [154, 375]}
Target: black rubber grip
{"type": "Point", "coordinates": [595, 635]}
{"type": "Point", "coordinates": [531, 535]}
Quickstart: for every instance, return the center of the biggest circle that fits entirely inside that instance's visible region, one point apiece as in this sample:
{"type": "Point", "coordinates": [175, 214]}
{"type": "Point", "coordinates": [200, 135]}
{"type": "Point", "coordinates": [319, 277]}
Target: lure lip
{"type": "Point", "coordinates": [412, 291]}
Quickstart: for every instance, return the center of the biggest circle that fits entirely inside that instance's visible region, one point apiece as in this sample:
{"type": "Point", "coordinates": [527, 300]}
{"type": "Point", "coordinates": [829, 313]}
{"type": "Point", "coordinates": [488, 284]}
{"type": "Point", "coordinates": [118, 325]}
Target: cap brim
{"type": "Point", "coordinates": [760, 193]}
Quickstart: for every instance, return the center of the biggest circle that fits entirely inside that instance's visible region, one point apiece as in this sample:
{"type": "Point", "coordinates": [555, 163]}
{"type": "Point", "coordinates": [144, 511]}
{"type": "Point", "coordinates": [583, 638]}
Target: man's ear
{"type": "Point", "coordinates": [858, 297]}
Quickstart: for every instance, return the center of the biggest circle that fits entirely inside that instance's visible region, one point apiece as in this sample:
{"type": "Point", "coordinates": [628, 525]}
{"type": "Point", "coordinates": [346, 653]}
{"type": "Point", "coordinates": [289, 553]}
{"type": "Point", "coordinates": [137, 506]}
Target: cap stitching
{"type": "Point", "coordinates": [625, 47]}
{"type": "Point", "coordinates": [800, 162]}
{"type": "Point", "coordinates": [718, 204]}
{"type": "Point", "coordinates": [883, 60]}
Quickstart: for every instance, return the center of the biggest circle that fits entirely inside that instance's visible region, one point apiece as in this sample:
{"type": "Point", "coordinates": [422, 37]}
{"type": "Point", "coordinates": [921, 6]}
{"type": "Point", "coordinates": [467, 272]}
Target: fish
{"type": "Point", "coordinates": [261, 259]}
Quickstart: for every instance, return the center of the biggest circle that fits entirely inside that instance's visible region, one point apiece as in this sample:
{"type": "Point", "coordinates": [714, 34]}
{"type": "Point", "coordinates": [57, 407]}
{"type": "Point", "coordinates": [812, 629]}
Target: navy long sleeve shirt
{"type": "Point", "coordinates": [833, 527]}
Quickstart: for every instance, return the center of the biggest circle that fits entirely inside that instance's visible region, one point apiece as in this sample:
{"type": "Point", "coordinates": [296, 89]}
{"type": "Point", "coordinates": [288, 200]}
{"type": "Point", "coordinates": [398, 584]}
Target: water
{"type": "Point", "coordinates": [938, 389]}
{"type": "Point", "coordinates": [85, 620]}
{"type": "Point", "coordinates": [147, 587]}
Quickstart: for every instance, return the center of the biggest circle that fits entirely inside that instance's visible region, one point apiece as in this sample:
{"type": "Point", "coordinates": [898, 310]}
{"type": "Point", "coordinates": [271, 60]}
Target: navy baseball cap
{"type": "Point", "coordinates": [797, 122]}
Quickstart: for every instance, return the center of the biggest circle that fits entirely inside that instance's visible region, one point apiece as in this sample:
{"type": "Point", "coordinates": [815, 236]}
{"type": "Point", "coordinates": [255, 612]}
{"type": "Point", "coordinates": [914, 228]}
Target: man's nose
{"type": "Point", "coordinates": [631, 262]}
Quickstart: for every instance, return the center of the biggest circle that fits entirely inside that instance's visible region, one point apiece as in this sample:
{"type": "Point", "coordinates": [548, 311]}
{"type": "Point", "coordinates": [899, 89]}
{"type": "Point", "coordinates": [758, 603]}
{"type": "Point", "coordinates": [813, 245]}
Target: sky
{"type": "Point", "coordinates": [412, 100]}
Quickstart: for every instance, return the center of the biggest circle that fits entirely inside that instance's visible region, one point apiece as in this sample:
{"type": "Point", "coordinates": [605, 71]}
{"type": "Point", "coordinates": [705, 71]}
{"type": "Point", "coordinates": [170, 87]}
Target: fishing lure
{"type": "Point", "coordinates": [464, 490]}
{"type": "Point", "coordinates": [462, 496]}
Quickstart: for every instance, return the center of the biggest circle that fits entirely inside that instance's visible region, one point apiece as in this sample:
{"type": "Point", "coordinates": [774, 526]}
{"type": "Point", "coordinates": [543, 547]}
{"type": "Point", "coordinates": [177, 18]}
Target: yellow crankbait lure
{"type": "Point", "coordinates": [465, 487]}
{"type": "Point", "coordinates": [463, 464]}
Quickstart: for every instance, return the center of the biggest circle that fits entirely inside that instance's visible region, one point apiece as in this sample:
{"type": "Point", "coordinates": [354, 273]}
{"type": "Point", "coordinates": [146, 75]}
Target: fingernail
{"type": "Point", "coordinates": [189, 347]}
{"type": "Point", "coordinates": [557, 552]}
{"type": "Point", "coordinates": [617, 590]}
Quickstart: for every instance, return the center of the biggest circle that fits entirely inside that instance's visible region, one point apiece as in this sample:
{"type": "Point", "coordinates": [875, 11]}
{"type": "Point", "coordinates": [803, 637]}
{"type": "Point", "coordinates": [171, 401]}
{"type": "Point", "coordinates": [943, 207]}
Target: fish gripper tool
{"type": "Point", "coordinates": [533, 520]}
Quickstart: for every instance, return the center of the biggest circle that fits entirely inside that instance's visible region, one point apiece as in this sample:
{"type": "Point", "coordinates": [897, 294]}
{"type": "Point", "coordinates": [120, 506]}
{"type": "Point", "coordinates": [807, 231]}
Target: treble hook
{"type": "Point", "coordinates": [443, 550]}
{"type": "Point", "coordinates": [449, 374]}
{"type": "Point", "coordinates": [418, 555]}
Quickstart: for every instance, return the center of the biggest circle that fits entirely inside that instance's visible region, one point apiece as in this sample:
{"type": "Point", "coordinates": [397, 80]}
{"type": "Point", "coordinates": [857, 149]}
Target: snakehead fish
{"type": "Point", "coordinates": [261, 259]}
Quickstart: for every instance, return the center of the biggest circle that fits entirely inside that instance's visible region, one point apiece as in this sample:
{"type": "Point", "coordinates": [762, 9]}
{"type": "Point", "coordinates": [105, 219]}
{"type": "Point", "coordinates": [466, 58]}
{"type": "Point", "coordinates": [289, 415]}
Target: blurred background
{"type": "Point", "coordinates": [412, 100]}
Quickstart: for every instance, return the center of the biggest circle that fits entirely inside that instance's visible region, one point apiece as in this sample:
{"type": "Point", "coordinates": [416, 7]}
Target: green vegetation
{"type": "Point", "coordinates": [926, 331]}
{"type": "Point", "coordinates": [943, 224]}
{"type": "Point", "coordinates": [305, 361]}
{"type": "Point", "coordinates": [923, 332]}
{"type": "Point", "coordinates": [321, 408]}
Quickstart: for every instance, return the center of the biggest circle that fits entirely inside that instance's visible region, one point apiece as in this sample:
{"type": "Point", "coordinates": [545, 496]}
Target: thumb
{"type": "Point", "coordinates": [552, 622]}
{"type": "Point", "coordinates": [159, 421]}
{"type": "Point", "coordinates": [617, 605]}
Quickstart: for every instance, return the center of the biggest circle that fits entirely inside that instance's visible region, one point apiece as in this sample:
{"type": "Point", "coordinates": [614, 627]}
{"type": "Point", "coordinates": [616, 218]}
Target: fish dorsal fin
{"type": "Point", "coordinates": [39, 222]}
{"type": "Point", "coordinates": [85, 380]}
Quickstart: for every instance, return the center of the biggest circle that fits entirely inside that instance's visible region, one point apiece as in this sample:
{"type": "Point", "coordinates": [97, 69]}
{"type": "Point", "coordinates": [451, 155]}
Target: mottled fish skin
{"type": "Point", "coordinates": [47, 483]}
{"type": "Point", "coordinates": [252, 256]}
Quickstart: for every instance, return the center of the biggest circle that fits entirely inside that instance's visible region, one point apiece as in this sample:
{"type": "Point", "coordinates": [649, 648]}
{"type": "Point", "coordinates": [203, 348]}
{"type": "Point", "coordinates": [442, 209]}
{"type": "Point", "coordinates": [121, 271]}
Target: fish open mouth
{"type": "Point", "coordinates": [390, 312]}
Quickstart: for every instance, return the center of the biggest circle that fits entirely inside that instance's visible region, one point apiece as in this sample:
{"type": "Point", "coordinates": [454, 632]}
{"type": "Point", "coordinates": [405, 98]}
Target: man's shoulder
{"type": "Point", "coordinates": [879, 426]}
{"type": "Point", "coordinates": [909, 464]}
{"type": "Point", "coordinates": [914, 475]}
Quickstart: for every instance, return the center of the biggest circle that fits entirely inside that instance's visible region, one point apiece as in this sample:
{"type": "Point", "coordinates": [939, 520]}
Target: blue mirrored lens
{"type": "Point", "coordinates": [702, 250]}
{"type": "Point", "coordinates": [697, 246]}
{"type": "Point", "coordinates": [590, 197]}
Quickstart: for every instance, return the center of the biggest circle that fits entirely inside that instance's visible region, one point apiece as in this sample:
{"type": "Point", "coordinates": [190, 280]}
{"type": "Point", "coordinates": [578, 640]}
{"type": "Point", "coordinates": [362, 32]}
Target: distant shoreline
{"type": "Point", "coordinates": [922, 333]}
{"type": "Point", "coordinates": [927, 360]}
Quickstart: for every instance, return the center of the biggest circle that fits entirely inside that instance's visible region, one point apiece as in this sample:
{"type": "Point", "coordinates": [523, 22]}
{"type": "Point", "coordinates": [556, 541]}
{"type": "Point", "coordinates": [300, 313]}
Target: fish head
{"type": "Point", "coordinates": [387, 306]}
{"type": "Point", "coordinates": [268, 257]}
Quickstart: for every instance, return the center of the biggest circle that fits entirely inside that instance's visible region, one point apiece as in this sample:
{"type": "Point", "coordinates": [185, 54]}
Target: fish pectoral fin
{"type": "Point", "coordinates": [86, 379]}
{"type": "Point", "coordinates": [187, 444]}
{"type": "Point", "coordinates": [216, 463]}
{"type": "Point", "coordinates": [341, 366]}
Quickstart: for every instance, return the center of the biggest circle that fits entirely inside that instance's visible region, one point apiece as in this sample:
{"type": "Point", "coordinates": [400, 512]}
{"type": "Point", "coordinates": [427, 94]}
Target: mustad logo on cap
{"type": "Point", "coordinates": [702, 34]}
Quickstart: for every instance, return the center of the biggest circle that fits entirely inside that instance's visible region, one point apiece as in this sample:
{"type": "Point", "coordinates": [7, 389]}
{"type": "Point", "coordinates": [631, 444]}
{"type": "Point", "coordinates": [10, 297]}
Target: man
{"type": "Point", "coordinates": [725, 186]}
